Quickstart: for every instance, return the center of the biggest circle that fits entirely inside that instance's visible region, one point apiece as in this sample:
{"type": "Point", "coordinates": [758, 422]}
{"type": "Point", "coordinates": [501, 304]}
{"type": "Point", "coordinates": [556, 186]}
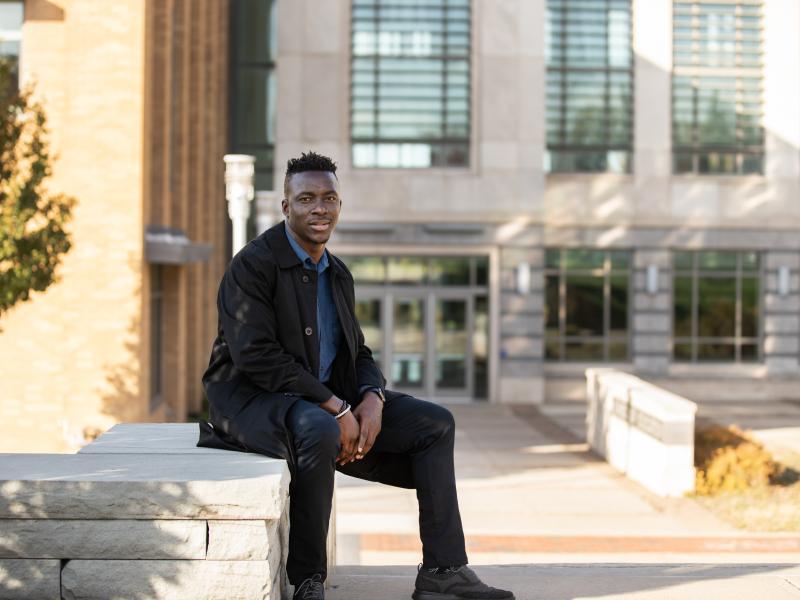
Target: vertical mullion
{"type": "Point", "coordinates": [375, 86]}
{"type": "Point", "coordinates": [562, 306]}
{"type": "Point", "coordinates": [738, 309]}
{"type": "Point", "coordinates": [695, 308]}
{"type": "Point", "coordinates": [606, 303]}
{"type": "Point", "coordinates": [445, 52]}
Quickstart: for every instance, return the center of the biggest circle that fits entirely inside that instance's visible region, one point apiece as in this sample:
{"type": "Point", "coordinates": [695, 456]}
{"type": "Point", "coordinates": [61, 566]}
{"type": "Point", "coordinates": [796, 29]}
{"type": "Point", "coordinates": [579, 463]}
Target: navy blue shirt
{"type": "Point", "coordinates": [329, 329]}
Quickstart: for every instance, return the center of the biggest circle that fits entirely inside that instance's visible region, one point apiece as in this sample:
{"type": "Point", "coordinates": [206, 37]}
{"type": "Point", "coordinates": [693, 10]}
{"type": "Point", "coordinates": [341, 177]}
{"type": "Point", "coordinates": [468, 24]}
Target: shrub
{"type": "Point", "coordinates": [729, 460]}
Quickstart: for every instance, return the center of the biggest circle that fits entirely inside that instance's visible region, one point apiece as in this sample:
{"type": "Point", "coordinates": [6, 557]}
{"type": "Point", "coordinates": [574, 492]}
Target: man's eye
{"type": "Point", "coordinates": [331, 199]}
{"type": "Point", "coordinates": [304, 200]}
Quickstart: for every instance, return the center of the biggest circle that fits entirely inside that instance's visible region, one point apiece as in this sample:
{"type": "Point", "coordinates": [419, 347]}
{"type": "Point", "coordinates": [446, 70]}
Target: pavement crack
{"type": "Point", "coordinates": [792, 583]}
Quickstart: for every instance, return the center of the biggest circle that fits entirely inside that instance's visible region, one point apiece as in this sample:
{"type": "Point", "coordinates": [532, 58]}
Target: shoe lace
{"type": "Point", "coordinates": [312, 588]}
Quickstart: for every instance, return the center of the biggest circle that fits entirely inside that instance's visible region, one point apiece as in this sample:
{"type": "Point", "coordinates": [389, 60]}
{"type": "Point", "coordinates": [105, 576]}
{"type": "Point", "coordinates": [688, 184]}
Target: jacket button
{"type": "Point", "coordinates": [306, 278]}
{"type": "Point", "coordinates": [309, 331]}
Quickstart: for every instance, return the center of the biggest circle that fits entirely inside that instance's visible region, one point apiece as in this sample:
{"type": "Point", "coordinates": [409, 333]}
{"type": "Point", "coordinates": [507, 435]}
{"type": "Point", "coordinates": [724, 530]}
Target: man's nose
{"type": "Point", "coordinates": [319, 207]}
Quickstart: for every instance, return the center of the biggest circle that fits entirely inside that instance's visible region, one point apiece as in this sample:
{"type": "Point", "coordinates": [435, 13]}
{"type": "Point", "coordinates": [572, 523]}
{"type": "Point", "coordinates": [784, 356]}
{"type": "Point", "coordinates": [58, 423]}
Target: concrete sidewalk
{"type": "Point", "coordinates": [531, 494]}
{"type": "Point", "coordinates": [607, 582]}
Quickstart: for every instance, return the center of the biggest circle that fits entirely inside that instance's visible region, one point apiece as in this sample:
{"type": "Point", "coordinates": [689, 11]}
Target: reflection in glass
{"type": "Point", "coordinates": [552, 303]}
{"type": "Point", "coordinates": [366, 269]}
{"type": "Point", "coordinates": [481, 271]}
{"type": "Point", "coordinates": [449, 271]}
{"type": "Point", "coordinates": [407, 270]}
{"type": "Point", "coordinates": [368, 314]}
{"type": "Point", "coordinates": [480, 348]}
{"type": "Point", "coordinates": [618, 305]}
{"type": "Point", "coordinates": [408, 343]}
{"type": "Point", "coordinates": [716, 309]}
{"type": "Point", "coordinates": [451, 344]}
{"type": "Point", "coordinates": [682, 306]}
{"type": "Point", "coordinates": [583, 350]}
{"type": "Point", "coordinates": [750, 294]}
{"type": "Point", "coordinates": [584, 305]}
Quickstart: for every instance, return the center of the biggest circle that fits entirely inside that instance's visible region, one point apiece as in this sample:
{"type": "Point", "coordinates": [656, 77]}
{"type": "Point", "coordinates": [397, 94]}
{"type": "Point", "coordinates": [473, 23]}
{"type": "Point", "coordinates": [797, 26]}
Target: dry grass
{"type": "Point", "coordinates": [746, 485]}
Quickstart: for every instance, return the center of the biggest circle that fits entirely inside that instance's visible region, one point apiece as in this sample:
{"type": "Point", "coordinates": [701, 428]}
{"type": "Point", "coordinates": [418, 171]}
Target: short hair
{"type": "Point", "coordinates": [308, 161]}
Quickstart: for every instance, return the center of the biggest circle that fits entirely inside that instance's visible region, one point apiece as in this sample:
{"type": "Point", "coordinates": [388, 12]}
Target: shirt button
{"type": "Point", "coordinates": [309, 331]}
{"type": "Point", "coordinates": [306, 279]}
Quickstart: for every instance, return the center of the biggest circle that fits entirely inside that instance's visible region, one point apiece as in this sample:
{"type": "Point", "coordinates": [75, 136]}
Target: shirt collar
{"type": "Point", "coordinates": [304, 257]}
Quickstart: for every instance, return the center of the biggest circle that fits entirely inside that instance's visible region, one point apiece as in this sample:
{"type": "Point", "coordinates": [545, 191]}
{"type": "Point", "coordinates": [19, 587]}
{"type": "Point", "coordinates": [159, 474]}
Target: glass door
{"type": "Point", "coordinates": [451, 346]}
{"type": "Point", "coordinates": [409, 344]}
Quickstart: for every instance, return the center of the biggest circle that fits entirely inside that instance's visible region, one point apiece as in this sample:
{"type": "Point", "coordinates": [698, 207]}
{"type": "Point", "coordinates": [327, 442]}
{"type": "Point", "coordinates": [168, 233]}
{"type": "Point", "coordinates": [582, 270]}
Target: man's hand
{"type": "Point", "coordinates": [348, 437]}
{"type": "Point", "coordinates": [368, 414]}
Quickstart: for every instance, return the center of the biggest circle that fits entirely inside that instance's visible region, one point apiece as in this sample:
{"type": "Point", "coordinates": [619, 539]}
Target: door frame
{"type": "Point", "coordinates": [492, 252]}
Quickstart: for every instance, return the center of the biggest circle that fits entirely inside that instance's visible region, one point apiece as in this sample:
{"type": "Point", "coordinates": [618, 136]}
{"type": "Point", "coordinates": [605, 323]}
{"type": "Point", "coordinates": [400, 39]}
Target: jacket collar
{"type": "Point", "coordinates": [285, 255]}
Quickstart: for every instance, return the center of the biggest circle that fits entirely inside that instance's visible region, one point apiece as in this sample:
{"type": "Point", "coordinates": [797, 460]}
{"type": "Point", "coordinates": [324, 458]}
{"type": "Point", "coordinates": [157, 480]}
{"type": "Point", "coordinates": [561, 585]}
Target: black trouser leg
{"type": "Point", "coordinates": [315, 435]}
{"type": "Point", "coordinates": [415, 450]}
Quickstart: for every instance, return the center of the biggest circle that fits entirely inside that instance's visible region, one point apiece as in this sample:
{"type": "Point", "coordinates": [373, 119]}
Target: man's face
{"type": "Point", "coordinates": [312, 205]}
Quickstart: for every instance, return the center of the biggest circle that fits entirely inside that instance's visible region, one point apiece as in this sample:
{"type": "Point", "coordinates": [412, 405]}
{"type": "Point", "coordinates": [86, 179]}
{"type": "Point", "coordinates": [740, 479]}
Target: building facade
{"type": "Point", "coordinates": [133, 91]}
{"type": "Point", "coordinates": [530, 187]}
{"type": "Point", "coordinates": [534, 186]}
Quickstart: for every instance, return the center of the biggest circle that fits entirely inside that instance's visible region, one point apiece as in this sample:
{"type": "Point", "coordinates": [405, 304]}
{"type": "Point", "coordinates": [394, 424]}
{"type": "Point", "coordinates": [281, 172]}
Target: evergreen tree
{"type": "Point", "coordinates": [32, 221]}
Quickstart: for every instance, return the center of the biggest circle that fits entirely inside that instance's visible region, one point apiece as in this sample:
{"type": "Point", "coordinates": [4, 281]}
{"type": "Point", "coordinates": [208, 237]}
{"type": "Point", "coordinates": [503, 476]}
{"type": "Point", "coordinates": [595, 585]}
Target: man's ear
{"type": "Point", "coordinates": [285, 207]}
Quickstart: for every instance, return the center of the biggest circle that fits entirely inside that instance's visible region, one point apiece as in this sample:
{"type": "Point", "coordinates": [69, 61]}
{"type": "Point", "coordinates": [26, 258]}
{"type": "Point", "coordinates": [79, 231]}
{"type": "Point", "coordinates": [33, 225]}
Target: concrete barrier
{"type": "Point", "coordinates": [143, 513]}
{"type": "Point", "coordinates": [644, 431]}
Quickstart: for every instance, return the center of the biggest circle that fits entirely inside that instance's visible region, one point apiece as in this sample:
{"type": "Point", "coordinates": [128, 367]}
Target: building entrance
{"type": "Point", "coordinates": [426, 320]}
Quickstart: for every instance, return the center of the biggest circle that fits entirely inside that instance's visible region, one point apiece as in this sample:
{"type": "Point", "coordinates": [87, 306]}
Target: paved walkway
{"type": "Point", "coordinates": [532, 495]}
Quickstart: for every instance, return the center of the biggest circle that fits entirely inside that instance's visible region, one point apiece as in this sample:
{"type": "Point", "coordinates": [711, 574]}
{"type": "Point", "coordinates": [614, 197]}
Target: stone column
{"type": "Point", "coordinates": [781, 314]}
{"type": "Point", "coordinates": [652, 47]}
{"type": "Point", "coordinates": [652, 323]}
{"type": "Point", "coordinates": [521, 327]}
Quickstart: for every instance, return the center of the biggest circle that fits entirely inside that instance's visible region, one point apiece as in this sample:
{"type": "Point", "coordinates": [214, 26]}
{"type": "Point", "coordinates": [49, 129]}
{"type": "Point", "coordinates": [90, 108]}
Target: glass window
{"type": "Point", "coordinates": [587, 304]}
{"type": "Point", "coordinates": [589, 86]}
{"type": "Point", "coordinates": [410, 83]}
{"type": "Point", "coordinates": [716, 87]}
{"type": "Point", "coordinates": [11, 15]}
{"type": "Point", "coordinates": [253, 101]}
{"type": "Point", "coordinates": [716, 310]}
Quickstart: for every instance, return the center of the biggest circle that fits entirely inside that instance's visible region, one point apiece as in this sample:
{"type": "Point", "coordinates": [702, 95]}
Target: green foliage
{"type": "Point", "coordinates": [32, 222]}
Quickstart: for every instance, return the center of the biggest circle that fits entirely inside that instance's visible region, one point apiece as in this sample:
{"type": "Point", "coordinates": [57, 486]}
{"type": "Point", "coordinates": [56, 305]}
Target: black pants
{"type": "Point", "coordinates": [413, 450]}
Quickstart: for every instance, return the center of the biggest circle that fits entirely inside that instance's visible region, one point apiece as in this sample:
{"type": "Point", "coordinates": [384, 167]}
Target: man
{"type": "Point", "coordinates": [290, 377]}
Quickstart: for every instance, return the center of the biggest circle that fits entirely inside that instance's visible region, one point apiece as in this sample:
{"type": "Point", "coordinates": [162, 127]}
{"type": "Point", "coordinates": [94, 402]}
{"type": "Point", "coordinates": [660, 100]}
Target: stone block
{"type": "Point", "coordinates": [785, 304]}
{"type": "Point", "coordinates": [781, 344]}
{"type": "Point", "coordinates": [22, 579]}
{"type": "Point", "coordinates": [642, 302]}
{"type": "Point", "coordinates": [150, 438]}
{"type": "Point", "coordinates": [657, 343]}
{"type": "Point", "coordinates": [651, 323]}
{"type": "Point", "coordinates": [513, 303]}
{"type": "Point", "coordinates": [522, 325]}
{"type": "Point", "coordinates": [119, 486]}
{"type": "Point", "coordinates": [774, 260]}
{"type": "Point", "coordinates": [511, 256]}
{"type": "Point", "coordinates": [172, 579]}
{"type": "Point", "coordinates": [644, 257]}
{"type": "Point", "coordinates": [781, 324]}
{"type": "Point", "coordinates": [118, 539]}
{"type": "Point", "coordinates": [243, 540]}
{"type": "Point", "coordinates": [520, 346]}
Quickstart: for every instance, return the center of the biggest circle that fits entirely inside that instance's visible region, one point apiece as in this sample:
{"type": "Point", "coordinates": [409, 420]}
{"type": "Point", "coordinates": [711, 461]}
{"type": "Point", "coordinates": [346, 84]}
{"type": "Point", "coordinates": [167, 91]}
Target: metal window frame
{"type": "Point", "coordinates": [694, 340]}
{"type": "Point", "coordinates": [442, 141]}
{"type": "Point", "coordinates": [607, 272]}
{"type": "Point", "coordinates": [697, 71]}
{"type": "Point", "coordinates": [563, 68]}
{"type": "Point", "coordinates": [237, 65]}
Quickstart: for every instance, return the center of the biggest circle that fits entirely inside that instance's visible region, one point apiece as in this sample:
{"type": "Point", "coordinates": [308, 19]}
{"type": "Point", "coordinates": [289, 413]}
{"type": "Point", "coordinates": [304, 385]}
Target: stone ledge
{"type": "Point", "coordinates": [173, 579]}
{"type": "Point", "coordinates": [115, 539]}
{"type": "Point", "coordinates": [28, 579]}
{"type": "Point", "coordinates": [152, 438]}
{"type": "Point", "coordinates": [120, 486]}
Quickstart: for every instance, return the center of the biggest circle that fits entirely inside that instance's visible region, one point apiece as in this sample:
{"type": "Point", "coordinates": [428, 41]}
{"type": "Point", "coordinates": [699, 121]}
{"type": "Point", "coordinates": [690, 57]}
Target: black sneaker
{"type": "Point", "coordinates": [455, 584]}
{"type": "Point", "coordinates": [310, 589]}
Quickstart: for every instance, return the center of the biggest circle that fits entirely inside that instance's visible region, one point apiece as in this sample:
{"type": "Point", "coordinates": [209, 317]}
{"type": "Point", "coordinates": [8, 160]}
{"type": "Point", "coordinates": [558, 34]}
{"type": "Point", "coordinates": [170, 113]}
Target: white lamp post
{"type": "Point", "coordinates": [239, 192]}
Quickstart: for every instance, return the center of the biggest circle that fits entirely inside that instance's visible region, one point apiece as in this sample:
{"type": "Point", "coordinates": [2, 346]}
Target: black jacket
{"type": "Point", "coordinates": [267, 337]}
